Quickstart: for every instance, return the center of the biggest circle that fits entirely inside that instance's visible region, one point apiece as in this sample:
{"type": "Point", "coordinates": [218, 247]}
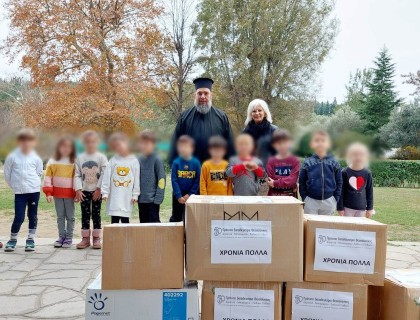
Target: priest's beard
{"type": "Point", "coordinates": [203, 108]}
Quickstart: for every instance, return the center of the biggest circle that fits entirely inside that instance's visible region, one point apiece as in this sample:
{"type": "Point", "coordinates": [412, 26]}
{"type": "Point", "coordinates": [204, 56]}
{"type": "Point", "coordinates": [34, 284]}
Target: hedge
{"type": "Point", "coordinates": [394, 173]}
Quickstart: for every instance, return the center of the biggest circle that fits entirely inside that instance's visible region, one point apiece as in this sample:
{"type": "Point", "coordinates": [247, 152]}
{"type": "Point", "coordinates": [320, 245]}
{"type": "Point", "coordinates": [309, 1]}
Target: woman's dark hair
{"type": "Point", "coordinates": [62, 140]}
{"type": "Point", "coordinates": [217, 142]}
{"type": "Point", "coordinates": [280, 135]}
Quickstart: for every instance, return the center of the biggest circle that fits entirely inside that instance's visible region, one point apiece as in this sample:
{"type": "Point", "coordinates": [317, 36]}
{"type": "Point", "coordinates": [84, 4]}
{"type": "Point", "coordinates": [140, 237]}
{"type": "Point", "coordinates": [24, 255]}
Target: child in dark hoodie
{"type": "Point", "coordinates": [320, 179]}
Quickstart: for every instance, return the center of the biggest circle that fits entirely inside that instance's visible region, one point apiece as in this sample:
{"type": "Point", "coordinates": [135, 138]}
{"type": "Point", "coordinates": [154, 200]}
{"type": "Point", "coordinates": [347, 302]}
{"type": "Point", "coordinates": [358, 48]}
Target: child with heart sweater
{"type": "Point", "coordinates": [357, 194]}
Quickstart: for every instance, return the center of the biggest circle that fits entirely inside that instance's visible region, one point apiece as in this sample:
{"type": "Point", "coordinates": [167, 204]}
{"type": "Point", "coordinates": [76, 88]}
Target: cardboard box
{"type": "Point", "coordinates": [398, 299]}
{"type": "Point", "coordinates": [326, 301]}
{"type": "Point", "coordinates": [244, 238]}
{"type": "Point", "coordinates": [165, 304]}
{"type": "Point", "coordinates": [345, 250]}
{"type": "Point", "coordinates": [143, 256]}
{"type": "Point", "coordinates": [241, 300]}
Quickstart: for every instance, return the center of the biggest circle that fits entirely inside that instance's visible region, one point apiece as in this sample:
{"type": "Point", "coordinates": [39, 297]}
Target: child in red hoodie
{"type": "Point", "coordinates": [283, 168]}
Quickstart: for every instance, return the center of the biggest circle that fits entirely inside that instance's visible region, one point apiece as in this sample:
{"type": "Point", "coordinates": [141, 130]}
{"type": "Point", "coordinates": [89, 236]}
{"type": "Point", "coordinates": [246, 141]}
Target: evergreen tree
{"type": "Point", "coordinates": [381, 98]}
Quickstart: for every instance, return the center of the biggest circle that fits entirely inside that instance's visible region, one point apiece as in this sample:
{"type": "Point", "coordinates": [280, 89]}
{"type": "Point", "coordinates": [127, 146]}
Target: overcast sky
{"type": "Point", "coordinates": [365, 27]}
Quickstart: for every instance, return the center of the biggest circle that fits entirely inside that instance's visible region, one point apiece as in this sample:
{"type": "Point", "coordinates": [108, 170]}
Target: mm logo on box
{"type": "Point", "coordinates": [240, 215]}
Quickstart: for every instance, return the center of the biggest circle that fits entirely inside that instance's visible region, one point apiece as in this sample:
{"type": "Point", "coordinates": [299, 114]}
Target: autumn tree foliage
{"type": "Point", "coordinates": [97, 61]}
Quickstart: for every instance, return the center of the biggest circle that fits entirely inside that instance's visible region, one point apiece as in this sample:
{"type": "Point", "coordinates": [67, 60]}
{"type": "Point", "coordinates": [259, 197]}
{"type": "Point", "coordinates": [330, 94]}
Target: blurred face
{"type": "Point", "coordinates": [282, 147]}
{"type": "Point", "coordinates": [203, 100]}
{"type": "Point", "coordinates": [244, 146]}
{"type": "Point", "coordinates": [26, 145]}
{"type": "Point", "coordinates": [120, 147]}
{"type": "Point", "coordinates": [320, 144]}
{"type": "Point", "coordinates": [65, 149]}
{"type": "Point", "coordinates": [185, 150]}
{"type": "Point", "coordinates": [358, 157]}
{"type": "Point", "coordinates": [258, 114]}
{"type": "Point", "coordinates": [145, 146]}
{"type": "Point", "coordinates": [91, 143]}
{"type": "Point", "coordinates": [217, 154]}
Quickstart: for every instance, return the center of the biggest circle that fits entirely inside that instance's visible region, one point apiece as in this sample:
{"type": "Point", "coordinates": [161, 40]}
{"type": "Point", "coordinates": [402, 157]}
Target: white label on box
{"type": "Point", "coordinates": [241, 242]}
{"type": "Point", "coordinates": [408, 278]}
{"type": "Point", "coordinates": [252, 304]}
{"type": "Point", "coordinates": [345, 251]}
{"type": "Point", "coordinates": [321, 304]}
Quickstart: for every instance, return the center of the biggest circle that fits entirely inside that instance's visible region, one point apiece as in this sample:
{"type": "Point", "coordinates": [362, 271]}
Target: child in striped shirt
{"type": "Point", "coordinates": [58, 187]}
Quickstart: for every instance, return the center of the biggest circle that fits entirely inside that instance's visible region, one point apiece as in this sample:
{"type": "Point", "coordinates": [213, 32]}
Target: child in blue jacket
{"type": "Point", "coordinates": [185, 177]}
{"type": "Point", "coordinates": [320, 178]}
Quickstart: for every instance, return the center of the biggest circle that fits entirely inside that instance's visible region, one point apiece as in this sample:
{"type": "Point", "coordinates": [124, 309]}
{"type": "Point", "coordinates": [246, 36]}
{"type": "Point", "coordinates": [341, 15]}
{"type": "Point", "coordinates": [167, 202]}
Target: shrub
{"type": "Point", "coordinates": [407, 153]}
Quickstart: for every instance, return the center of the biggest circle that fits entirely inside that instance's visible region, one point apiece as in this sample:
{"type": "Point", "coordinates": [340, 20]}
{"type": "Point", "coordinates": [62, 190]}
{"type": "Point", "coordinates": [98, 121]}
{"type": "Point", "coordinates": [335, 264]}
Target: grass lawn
{"type": "Point", "coordinates": [397, 207]}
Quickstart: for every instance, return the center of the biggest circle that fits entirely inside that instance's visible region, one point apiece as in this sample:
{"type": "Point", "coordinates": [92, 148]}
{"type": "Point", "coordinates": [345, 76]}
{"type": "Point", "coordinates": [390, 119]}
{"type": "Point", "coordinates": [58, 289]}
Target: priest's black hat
{"type": "Point", "coordinates": [203, 83]}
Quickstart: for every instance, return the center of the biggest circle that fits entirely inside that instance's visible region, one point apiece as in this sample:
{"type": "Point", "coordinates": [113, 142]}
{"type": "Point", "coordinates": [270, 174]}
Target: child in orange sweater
{"type": "Point", "coordinates": [213, 179]}
{"type": "Point", "coordinates": [58, 186]}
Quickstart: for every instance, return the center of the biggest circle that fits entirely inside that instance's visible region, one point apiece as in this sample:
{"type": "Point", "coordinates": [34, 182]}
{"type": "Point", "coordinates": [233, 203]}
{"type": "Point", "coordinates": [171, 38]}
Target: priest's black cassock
{"type": "Point", "coordinates": [201, 127]}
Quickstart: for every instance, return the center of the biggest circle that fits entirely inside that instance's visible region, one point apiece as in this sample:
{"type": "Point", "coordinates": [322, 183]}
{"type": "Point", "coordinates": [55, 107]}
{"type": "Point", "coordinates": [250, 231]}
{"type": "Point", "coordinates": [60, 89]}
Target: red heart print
{"type": "Point", "coordinates": [356, 182]}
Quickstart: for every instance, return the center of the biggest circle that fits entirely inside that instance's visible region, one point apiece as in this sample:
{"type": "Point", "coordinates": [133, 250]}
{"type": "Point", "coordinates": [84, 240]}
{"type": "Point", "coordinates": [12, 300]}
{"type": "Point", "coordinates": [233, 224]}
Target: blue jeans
{"type": "Point", "coordinates": [22, 201]}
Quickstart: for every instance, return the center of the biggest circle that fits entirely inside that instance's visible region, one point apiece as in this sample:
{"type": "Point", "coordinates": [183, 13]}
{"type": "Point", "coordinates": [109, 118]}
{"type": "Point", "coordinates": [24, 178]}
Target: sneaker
{"type": "Point", "coordinates": [30, 245]}
{"type": "Point", "coordinates": [67, 243]}
{"type": "Point", "coordinates": [10, 245]}
{"type": "Point", "coordinates": [59, 242]}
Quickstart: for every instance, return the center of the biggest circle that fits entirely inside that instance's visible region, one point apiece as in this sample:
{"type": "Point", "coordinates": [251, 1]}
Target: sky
{"type": "Point", "coordinates": [365, 27]}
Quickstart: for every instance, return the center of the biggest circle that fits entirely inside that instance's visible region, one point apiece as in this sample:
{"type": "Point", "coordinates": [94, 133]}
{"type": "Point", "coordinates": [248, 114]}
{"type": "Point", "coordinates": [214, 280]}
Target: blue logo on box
{"type": "Point", "coordinates": [174, 305]}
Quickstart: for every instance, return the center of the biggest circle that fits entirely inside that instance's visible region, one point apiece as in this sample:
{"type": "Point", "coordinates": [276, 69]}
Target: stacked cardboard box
{"type": "Point", "coordinates": [244, 248]}
{"type": "Point", "coordinates": [342, 257]}
{"type": "Point", "coordinates": [398, 299]}
{"type": "Point", "coordinates": [142, 273]}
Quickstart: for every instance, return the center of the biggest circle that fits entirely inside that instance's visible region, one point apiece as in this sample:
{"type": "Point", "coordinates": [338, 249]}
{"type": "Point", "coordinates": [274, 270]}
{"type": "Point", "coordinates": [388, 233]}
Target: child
{"type": "Point", "coordinates": [90, 167]}
{"type": "Point", "coordinates": [185, 177]}
{"type": "Point", "coordinates": [120, 183]}
{"type": "Point", "coordinates": [357, 195]}
{"type": "Point", "coordinates": [244, 169]}
{"type": "Point", "coordinates": [152, 178]}
{"type": "Point", "coordinates": [213, 179]}
{"type": "Point", "coordinates": [320, 179]}
{"type": "Point", "coordinates": [283, 168]}
{"type": "Point", "coordinates": [23, 169]}
{"type": "Point", "coordinates": [58, 186]}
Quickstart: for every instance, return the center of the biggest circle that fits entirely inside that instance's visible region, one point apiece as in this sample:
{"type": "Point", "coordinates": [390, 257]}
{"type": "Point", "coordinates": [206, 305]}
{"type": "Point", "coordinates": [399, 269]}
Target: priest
{"type": "Point", "coordinates": [201, 122]}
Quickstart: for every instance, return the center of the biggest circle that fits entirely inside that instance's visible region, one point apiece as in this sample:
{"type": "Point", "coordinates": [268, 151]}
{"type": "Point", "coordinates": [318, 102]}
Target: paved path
{"type": "Point", "coordinates": [51, 283]}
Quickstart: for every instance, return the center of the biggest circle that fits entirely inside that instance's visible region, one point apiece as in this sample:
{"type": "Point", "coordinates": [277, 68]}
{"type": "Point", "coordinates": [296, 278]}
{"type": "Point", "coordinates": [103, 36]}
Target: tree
{"type": "Point", "coordinates": [95, 61]}
{"type": "Point", "coordinates": [381, 98]}
{"type": "Point", "coordinates": [414, 79]}
{"type": "Point", "coordinates": [263, 49]}
{"type": "Point", "coordinates": [357, 89]}
{"type": "Point", "coordinates": [404, 127]}
{"type": "Point", "coordinates": [182, 58]}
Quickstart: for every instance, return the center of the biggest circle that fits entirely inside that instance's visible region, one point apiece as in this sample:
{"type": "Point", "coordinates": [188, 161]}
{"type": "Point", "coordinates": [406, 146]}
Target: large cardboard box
{"type": "Point", "coordinates": [165, 304]}
{"type": "Point", "coordinates": [241, 300]}
{"type": "Point", "coordinates": [326, 301]}
{"type": "Point", "coordinates": [244, 238]}
{"type": "Point", "coordinates": [398, 299]}
{"type": "Point", "coordinates": [345, 250]}
{"type": "Point", "coordinates": [143, 256]}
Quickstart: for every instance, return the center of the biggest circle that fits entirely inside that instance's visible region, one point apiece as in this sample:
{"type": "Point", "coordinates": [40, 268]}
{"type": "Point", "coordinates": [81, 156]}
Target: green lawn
{"type": "Point", "coordinates": [397, 207]}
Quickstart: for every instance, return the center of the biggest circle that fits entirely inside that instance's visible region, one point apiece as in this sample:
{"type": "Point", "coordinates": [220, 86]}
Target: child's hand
{"type": "Point", "coordinates": [79, 196]}
{"type": "Point", "coordinates": [181, 200]}
{"type": "Point", "coordinates": [186, 197]}
{"type": "Point", "coordinates": [50, 199]}
{"type": "Point", "coordinates": [370, 213]}
{"type": "Point", "coordinates": [270, 182]}
{"type": "Point", "coordinates": [104, 199]}
{"type": "Point", "coordinates": [251, 166]}
{"type": "Point", "coordinates": [133, 201]}
{"type": "Point", "coordinates": [96, 195]}
{"type": "Point", "coordinates": [341, 212]}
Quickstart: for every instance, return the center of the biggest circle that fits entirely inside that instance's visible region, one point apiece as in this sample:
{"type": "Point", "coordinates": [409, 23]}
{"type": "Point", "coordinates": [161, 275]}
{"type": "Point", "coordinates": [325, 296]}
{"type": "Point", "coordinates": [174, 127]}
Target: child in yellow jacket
{"type": "Point", "coordinates": [213, 179]}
